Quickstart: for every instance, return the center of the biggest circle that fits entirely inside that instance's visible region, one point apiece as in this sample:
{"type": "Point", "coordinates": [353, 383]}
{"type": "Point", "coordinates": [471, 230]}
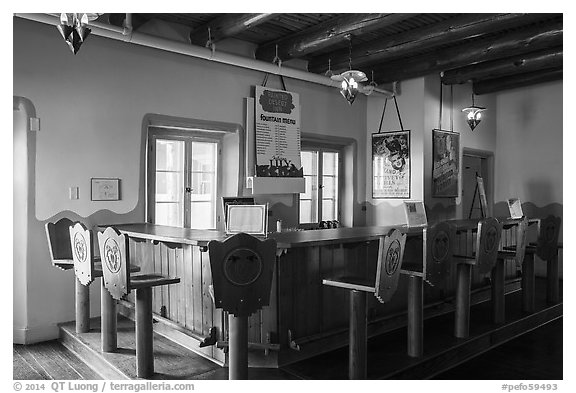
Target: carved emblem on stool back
{"type": "Point", "coordinates": [487, 244]}
{"type": "Point", "coordinates": [390, 255]}
{"type": "Point", "coordinates": [115, 261]}
{"type": "Point", "coordinates": [439, 251]}
{"type": "Point", "coordinates": [242, 268]}
{"type": "Point", "coordinates": [82, 250]}
{"type": "Point", "coordinates": [548, 235]}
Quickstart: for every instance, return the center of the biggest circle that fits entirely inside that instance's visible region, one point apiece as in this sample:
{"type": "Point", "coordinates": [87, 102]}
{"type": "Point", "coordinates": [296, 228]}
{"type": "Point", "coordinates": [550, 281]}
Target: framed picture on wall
{"type": "Point", "coordinates": [445, 163]}
{"type": "Point", "coordinates": [105, 189]}
{"type": "Point", "coordinates": [391, 164]}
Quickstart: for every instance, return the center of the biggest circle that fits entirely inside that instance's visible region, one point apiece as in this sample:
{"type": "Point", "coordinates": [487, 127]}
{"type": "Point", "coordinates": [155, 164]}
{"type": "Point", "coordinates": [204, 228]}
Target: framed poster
{"type": "Point", "coordinates": [105, 189]}
{"type": "Point", "coordinates": [445, 163]}
{"type": "Point", "coordinates": [391, 164]}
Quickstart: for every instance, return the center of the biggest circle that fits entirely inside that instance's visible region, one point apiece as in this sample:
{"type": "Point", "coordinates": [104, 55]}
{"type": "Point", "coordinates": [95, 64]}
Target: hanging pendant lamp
{"type": "Point", "coordinates": [473, 114]}
{"type": "Point", "coordinates": [349, 79]}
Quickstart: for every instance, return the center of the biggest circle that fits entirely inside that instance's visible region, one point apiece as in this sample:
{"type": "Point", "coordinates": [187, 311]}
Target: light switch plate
{"type": "Point", "coordinates": [73, 192]}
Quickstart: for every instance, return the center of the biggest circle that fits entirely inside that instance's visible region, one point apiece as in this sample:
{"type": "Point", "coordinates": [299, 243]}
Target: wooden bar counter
{"type": "Point", "coordinates": [304, 317]}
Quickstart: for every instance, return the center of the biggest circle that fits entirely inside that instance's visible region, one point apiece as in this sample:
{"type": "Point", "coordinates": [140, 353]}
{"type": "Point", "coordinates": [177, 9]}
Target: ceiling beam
{"type": "Point", "coordinates": [326, 34]}
{"type": "Point", "coordinates": [484, 49]}
{"type": "Point", "coordinates": [462, 27]}
{"type": "Point", "coordinates": [226, 26]}
{"type": "Point", "coordinates": [528, 62]}
{"type": "Point", "coordinates": [514, 81]}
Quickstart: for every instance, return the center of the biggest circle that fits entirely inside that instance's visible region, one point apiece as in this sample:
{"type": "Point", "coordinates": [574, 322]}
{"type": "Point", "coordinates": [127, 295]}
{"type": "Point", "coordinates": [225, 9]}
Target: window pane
{"type": "Point", "coordinates": [309, 162]}
{"type": "Point", "coordinates": [330, 186]}
{"type": "Point", "coordinates": [169, 214]}
{"type": "Point", "coordinates": [330, 163]}
{"type": "Point", "coordinates": [328, 209]}
{"type": "Point", "coordinates": [203, 156]}
{"type": "Point", "coordinates": [309, 198]}
{"type": "Point", "coordinates": [307, 212]}
{"type": "Point", "coordinates": [203, 195]}
{"type": "Point", "coordinates": [169, 185]}
{"type": "Point", "coordinates": [203, 215]}
{"type": "Point", "coordinates": [169, 155]}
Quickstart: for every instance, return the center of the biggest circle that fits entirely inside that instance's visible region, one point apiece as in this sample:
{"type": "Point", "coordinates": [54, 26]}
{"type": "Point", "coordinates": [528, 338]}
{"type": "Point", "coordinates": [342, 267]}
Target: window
{"type": "Point", "coordinates": [320, 201]}
{"type": "Point", "coordinates": [183, 179]}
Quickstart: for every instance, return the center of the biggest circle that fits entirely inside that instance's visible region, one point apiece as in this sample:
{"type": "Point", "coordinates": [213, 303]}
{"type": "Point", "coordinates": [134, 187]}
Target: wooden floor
{"type": "Point", "coordinates": [535, 355]}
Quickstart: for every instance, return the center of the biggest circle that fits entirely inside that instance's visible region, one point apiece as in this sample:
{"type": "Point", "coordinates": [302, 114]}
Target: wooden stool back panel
{"type": "Point", "coordinates": [440, 243]}
{"type": "Point", "coordinates": [390, 255]}
{"type": "Point", "coordinates": [242, 268]}
{"type": "Point", "coordinates": [487, 244]}
{"type": "Point", "coordinates": [548, 233]}
{"type": "Point", "coordinates": [115, 256]}
{"type": "Point", "coordinates": [521, 236]}
{"type": "Point", "coordinates": [58, 234]}
{"type": "Point", "coordinates": [82, 252]}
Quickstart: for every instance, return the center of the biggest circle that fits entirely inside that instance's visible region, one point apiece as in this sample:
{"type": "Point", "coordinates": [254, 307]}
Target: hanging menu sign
{"type": "Point", "coordinates": [277, 129]}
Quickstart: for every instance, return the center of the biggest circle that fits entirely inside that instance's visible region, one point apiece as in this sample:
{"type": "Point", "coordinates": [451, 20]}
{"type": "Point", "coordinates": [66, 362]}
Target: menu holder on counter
{"type": "Point", "coordinates": [515, 207]}
{"type": "Point", "coordinates": [251, 219]}
{"type": "Point", "coordinates": [415, 213]}
{"type": "Point", "coordinates": [234, 201]}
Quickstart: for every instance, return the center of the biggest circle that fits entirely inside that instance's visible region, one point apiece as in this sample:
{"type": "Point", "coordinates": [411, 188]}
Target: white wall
{"type": "Point", "coordinates": [92, 106]}
{"type": "Point", "coordinates": [529, 144]}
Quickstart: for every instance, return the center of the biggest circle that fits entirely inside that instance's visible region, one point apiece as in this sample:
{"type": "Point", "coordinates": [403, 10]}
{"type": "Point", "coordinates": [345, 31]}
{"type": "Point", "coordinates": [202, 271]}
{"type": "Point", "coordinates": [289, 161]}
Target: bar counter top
{"type": "Point", "coordinates": [288, 239]}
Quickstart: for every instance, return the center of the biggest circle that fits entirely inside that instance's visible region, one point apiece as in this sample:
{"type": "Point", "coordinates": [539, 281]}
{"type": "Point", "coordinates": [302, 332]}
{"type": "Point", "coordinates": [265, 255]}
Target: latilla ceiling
{"type": "Point", "coordinates": [493, 51]}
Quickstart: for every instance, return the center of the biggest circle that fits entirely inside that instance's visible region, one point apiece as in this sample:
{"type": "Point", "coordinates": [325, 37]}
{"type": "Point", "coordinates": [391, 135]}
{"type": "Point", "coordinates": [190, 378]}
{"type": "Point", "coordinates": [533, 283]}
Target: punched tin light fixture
{"type": "Point", "coordinates": [349, 87]}
{"type": "Point", "coordinates": [473, 114]}
{"type": "Point", "coordinates": [74, 29]}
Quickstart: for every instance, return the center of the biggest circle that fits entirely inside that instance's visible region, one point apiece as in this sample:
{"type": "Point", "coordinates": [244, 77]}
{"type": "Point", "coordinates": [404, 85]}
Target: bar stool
{"type": "Point", "coordinates": [114, 251]}
{"type": "Point", "coordinates": [87, 267]}
{"type": "Point", "coordinates": [390, 254]}
{"type": "Point", "coordinates": [483, 258]}
{"type": "Point", "coordinates": [439, 241]}
{"type": "Point", "coordinates": [498, 271]}
{"type": "Point", "coordinates": [242, 268]}
{"type": "Point", "coordinates": [60, 246]}
{"type": "Point", "coordinates": [546, 248]}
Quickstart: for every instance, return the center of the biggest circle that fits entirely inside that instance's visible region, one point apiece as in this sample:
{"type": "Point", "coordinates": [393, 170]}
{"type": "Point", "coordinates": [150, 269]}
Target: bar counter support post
{"type": "Point", "coordinates": [358, 334]}
{"type": "Point", "coordinates": [238, 345]}
{"type": "Point", "coordinates": [144, 337]}
{"type": "Point", "coordinates": [553, 278]}
{"type": "Point", "coordinates": [497, 289]}
{"type": "Point", "coordinates": [415, 316]}
{"type": "Point", "coordinates": [82, 307]}
{"type": "Point", "coordinates": [528, 283]}
{"type": "Point", "coordinates": [109, 321]}
{"type": "Point", "coordinates": [462, 312]}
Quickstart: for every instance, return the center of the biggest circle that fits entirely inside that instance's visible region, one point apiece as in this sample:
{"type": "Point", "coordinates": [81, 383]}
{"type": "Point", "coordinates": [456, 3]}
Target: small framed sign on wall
{"type": "Point", "coordinates": [105, 189]}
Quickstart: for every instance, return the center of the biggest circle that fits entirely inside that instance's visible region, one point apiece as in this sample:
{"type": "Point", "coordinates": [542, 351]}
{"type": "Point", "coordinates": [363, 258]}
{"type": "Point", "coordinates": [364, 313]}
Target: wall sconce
{"type": "Point", "coordinates": [473, 114]}
{"type": "Point", "coordinates": [74, 30]}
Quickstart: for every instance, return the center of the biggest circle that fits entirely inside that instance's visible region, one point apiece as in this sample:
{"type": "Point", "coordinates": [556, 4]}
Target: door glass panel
{"type": "Point", "coordinates": [309, 198]}
{"type": "Point", "coordinates": [203, 185]}
{"type": "Point", "coordinates": [169, 187]}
